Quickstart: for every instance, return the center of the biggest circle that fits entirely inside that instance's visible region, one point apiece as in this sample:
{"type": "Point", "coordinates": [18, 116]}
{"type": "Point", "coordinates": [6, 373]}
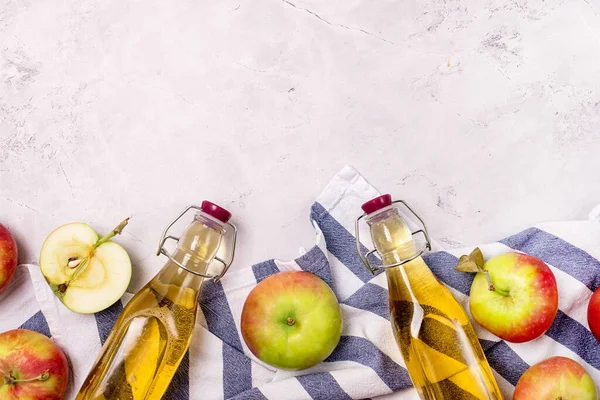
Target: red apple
{"type": "Point", "coordinates": [32, 367]}
{"type": "Point", "coordinates": [521, 300]}
{"type": "Point", "coordinates": [291, 320]}
{"type": "Point", "coordinates": [555, 378]}
{"type": "Point", "coordinates": [594, 314]}
{"type": "Point", "coordinates": [8, 257]}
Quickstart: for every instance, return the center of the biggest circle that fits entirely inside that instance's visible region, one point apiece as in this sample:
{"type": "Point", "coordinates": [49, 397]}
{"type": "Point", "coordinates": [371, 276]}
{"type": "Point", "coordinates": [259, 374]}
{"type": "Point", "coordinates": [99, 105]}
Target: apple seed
{"type": "Point", "coordinates": [73, 262]}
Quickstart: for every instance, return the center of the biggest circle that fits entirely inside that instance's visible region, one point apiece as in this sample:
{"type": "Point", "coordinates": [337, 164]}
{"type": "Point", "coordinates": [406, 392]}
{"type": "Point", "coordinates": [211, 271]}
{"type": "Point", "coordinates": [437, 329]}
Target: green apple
{"type": "Point", "coordinates": [514, 295]}
{"type": "Point", "coordinates": [555, 378]}
{"type": "Point", "coordinates": [291, 320]}
{"type": "Point", "coordinates": [87, 272]}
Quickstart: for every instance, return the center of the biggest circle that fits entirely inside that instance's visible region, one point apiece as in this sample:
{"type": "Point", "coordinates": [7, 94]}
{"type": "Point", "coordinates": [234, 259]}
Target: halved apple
{"type": "Point", "coordinates": [86, 272]}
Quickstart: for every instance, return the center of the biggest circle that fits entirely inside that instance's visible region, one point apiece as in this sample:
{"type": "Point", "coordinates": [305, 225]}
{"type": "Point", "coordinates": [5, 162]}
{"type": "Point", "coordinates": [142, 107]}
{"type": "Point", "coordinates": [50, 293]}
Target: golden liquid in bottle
{"type": "Point", "coordinates": [440, 348]}
{"type": "Point", "coordinates": [153, 333]}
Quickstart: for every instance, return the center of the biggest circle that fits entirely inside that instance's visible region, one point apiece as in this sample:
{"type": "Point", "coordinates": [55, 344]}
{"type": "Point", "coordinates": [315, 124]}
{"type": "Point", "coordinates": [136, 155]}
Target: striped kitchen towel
{"type": "Point", "coordinates": [366, 363]}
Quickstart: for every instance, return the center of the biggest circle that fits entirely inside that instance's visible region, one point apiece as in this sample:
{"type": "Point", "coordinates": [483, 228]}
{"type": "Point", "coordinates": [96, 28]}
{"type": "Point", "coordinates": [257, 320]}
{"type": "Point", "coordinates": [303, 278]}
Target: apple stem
{"type": "Point", "coordinates": [10, 379]}
{"type": "Point", "coordinates": [491, 286]}
{"type": "Point", "coordinates": [488, 278]}
{"type": "Point", "coordinates": [290, 321]}
{"type": "Point", "coordinates": [114, 232]}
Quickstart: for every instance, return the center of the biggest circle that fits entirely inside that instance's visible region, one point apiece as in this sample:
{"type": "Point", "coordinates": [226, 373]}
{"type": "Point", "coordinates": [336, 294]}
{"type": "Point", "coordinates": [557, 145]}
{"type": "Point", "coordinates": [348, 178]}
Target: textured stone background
{"type": "Point", "coordinates": [485, 114]}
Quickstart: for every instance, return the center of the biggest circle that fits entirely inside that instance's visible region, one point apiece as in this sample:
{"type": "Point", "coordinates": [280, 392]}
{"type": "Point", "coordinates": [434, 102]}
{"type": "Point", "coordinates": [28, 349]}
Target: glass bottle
{"type": "Point", "coordinates": [438, 343]}
{"type": "Point", "coordinates": [153, 332]}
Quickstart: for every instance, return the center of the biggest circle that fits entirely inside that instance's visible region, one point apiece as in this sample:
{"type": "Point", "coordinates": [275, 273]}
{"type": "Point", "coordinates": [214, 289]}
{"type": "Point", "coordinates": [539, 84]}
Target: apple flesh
{"type": "Point", "coordinates": [291, 320]}
{"type": "Point", "coordinates": [32, 367]}
{"type": "Point", "coordinates": [555, 378]}
{"type": "Point", "coordinates": [594, 314]}
{"type": "Point", "coordinates": [523, 300]}
{"type": "Point", "coordinates": [86, 272]}
{"type": "Point", "coordinates": [8, 257]}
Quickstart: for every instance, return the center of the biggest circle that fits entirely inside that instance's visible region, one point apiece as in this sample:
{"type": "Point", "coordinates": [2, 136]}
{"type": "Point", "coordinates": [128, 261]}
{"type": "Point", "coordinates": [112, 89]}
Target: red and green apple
{"type": "Point", "coordinates": [514, 296]}
{"type": "Point", "coordinates": [555, 378]}
{"type": "Point", "coordinates": [291, 320]}
{"type": "Point", "coordinates": [32, 367]}
{"type": "Point", "coordinates": [594, 314]}
{"type": "Point", "coordinates": [8, 257]}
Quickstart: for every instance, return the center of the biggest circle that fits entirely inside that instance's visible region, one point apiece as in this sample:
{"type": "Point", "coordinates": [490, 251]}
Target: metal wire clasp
{"type": "Point", "coordinates": [365, 257]}
{"type": "Point", "coordinates": [164, 238]}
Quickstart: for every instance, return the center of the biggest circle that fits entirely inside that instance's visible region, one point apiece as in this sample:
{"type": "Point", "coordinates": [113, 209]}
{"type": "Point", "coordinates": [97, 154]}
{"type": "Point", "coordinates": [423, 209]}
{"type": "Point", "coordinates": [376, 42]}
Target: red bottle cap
{"type": "Point", "coordinates": [377, 203]}
{"type": "Point", "coordinates": [215, 211]}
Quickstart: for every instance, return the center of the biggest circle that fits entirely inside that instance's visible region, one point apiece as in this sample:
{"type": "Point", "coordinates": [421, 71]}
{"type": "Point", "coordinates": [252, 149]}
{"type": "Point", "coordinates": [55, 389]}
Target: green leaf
{"type": "Point", "coordinates": [467, 266]}
{"type": "Point", "coordinates": [471, 263]}
{"type": "Point", "coordinates": [477, 257]}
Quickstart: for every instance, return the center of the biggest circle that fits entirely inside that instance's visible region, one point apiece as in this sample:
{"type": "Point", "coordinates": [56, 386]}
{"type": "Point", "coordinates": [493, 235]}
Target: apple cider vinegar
{"type": "Point", "coordinates": [439, 346]}
{"type": "Point", "coordinates": [153, 333]}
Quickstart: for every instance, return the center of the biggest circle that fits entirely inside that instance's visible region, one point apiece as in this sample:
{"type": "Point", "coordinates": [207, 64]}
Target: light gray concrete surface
{"type": "Point", "coordinates": [485, 115]}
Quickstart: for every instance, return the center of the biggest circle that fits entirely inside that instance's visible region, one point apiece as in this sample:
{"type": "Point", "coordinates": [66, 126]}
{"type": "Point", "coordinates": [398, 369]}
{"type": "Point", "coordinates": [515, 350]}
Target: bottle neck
{"type": "Point", "coordinates": [196, 249]}
{"type": "Point", "coordinates": [391, 236]}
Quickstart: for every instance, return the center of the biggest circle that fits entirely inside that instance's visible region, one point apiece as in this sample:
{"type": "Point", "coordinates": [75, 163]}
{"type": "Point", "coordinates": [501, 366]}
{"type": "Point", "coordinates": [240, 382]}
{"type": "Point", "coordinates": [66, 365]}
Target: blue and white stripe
{"type": "Point", "coordinates": [366, 363]}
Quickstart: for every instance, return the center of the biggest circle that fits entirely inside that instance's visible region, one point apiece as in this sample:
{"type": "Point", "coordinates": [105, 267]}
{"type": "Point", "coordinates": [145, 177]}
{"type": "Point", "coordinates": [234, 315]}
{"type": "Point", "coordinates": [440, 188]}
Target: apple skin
{"type": "Point", "coordinates": [8, 257]}
{"type": "Point", "coordinates": [594, 314]}
{"type": "Point", "coordinates": [315, 317]}
{"type": "Point", "coordinates": [532, 302]}
{"type": "Point", "coordinates": [26, 354]}
{"type": "Point", "coordinates": [555, 378]}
